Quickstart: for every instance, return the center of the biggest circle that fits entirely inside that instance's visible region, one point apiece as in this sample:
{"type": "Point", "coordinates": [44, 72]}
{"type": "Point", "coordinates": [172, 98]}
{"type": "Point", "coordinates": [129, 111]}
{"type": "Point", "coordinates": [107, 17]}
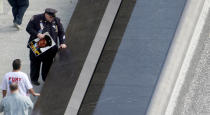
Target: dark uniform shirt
{"type": "Point", "coordinates": [38, 24]}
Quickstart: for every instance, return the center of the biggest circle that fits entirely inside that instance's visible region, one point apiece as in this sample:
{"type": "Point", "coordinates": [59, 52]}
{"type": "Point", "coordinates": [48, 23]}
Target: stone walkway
{"type": "Point", "coordinates": [194, 98]}
{"type": "Point", "coordinates": [13, 42]}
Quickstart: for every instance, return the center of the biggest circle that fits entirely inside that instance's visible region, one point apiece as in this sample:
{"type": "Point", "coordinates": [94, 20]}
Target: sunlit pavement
{"type": "Point", "coordinates": [13, 42]}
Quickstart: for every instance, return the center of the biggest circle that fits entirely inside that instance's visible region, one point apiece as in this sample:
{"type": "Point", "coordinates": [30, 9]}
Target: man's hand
{"type": "Point", "coordinates": [63, 46]}
{"type": "Point", "coordinates": [36, 94]}
{"type": "Point", "coordinates": [33, 93]}
{"type": "Point", "coordinates": [40, 36]}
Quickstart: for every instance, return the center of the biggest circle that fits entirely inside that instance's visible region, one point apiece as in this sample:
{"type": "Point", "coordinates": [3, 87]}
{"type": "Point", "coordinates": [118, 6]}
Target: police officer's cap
{"type": "Point", "coordinates": [51, 11]}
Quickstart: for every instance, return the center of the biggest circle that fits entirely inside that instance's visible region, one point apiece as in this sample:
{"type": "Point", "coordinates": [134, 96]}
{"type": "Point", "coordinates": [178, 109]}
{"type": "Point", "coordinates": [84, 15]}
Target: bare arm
{"type": "Point", "coordinates": [4, 92]}
{"type": "Point", "coordinates": [33, 93]}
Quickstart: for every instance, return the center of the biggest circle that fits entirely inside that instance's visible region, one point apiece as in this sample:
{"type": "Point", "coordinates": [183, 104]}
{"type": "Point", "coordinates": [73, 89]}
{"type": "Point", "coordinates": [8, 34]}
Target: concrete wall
{"type": "Point", "coordinates": [175, 59]}
{"type": "Point", "coordinates": [186, 98]}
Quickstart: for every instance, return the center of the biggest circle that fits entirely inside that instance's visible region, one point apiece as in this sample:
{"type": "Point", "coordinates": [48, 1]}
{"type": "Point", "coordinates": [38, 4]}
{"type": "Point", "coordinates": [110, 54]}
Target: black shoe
{"type": "Point", "coordinates": [35, 83]}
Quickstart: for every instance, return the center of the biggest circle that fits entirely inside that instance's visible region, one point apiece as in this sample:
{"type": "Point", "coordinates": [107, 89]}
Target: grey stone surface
{"type": "Point", "coordinates": [195, 93]}
{"type": "Point", "coordinates": [93, 56]}
{"type": "Point", "coordinates": [13, 42]}
{"type": "Point", "coordinates": [140, 57]}
{"type": "Point", "coordinates": [176, 64]}
{"type": "Point", "coordinates": [106, 58]}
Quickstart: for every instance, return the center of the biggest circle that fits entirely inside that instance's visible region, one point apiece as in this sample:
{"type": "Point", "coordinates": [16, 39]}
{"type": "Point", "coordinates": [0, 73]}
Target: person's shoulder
{"type": "Point", "coordinates": [23, 98]}
{"type": "Point", "coordinates": [57, 19]}
{"type": "Point", "coordinates": [8, 74]}
{"type": "Point", "coordinates": [37, 17]}
{"type": "Point", "coordinates": [22, 73]}
{"type": "Point", "coordinates": [6, 98]}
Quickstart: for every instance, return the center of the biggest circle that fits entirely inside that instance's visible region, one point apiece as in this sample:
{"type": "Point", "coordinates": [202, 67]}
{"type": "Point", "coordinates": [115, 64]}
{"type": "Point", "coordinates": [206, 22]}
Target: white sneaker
{"type": "Point", "coordinates": [17, 26]}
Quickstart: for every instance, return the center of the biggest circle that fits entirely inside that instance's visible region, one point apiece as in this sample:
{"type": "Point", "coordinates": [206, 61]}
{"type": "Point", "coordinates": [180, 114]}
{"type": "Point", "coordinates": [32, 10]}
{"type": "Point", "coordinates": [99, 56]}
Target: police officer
{"type": "Point", "coordinates": [18, 10]}
{"type": "Point", "coordinates": [39, 24]}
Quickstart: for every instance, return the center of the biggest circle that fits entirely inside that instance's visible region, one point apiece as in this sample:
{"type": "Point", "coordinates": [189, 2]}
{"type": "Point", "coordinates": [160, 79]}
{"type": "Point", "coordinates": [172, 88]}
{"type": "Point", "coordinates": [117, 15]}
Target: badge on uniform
{"type": "Point", "coordinates": [39, 46]}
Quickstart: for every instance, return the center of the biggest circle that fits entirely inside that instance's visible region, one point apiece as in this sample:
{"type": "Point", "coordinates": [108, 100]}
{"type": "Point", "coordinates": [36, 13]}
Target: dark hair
{"type": "Point", "coordinates": [48, 40]}
{"type": "Point", "coordinates": [16, 64]}
{"type": "Point", "coordinates": [13, 86]}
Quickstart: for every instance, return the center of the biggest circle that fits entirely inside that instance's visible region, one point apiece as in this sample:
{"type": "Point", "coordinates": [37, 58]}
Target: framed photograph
{"type": "Point", "coordinates": [39, 46]}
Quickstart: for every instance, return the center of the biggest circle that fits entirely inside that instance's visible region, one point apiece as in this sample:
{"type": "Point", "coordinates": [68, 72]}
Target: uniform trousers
{"type": "Point", "coordinates": [35, 63]}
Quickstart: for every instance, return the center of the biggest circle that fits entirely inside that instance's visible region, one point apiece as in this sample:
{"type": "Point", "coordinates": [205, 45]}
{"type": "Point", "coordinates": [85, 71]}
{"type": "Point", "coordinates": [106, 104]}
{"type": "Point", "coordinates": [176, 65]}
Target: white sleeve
{"type": "Point", "coordinates": [4, 83]}
{"type": "Point", "coordinates": [28, 83]}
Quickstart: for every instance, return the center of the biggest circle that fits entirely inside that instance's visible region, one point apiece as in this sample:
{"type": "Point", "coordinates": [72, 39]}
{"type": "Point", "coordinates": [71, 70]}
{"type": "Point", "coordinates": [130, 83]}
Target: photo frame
{"type": "Point", "coordinates": [39, 46]}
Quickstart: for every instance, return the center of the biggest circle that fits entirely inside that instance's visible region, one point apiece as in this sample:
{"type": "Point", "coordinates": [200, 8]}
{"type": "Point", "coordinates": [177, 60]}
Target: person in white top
{"type": "Point", "coordinates": [16, 76]}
